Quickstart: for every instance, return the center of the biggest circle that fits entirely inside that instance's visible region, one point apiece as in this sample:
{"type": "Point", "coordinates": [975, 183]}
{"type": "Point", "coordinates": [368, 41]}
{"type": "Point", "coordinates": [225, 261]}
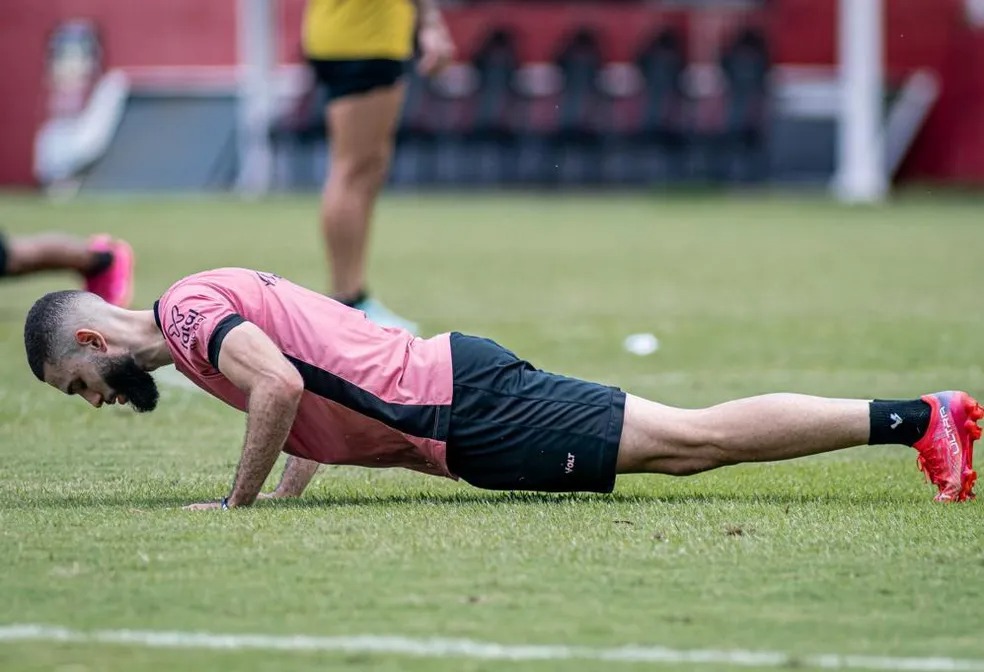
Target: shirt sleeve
{"type": "Point", "coordinates": [195, 318]}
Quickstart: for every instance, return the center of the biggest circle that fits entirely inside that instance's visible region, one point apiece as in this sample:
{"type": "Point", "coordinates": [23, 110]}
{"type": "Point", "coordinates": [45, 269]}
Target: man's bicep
{"type": "Point", "coordinates": [246, 356]}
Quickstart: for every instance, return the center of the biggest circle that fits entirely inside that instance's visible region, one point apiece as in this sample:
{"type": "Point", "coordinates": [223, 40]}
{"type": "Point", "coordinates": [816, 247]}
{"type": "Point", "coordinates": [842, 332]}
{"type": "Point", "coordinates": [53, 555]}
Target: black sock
{"type": "Point", "coordinates": [100, 262]}
{"type": "Point", "coordinates": [355, 300]}
{"type": "Point", "coordinates": [898, 422]}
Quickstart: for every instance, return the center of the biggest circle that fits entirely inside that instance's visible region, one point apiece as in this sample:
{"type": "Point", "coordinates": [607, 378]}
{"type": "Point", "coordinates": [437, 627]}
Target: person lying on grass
{"type": "Point", "coordinates": [327, 386]}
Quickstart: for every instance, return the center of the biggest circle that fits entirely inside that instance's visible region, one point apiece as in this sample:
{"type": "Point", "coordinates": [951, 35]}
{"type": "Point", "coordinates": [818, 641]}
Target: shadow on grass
{"type": "Point", "coordinates": [482, 498]}
{"type": "Point", "coordinates": [476, 498]}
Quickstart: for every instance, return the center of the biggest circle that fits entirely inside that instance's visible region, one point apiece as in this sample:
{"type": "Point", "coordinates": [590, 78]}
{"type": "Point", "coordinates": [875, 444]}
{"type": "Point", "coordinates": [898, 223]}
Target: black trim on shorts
{"type": "Point", "coordinates": [157, 315]}
{"type": "Point", "coordinates": [423, 421]}
{"type": "Point", "coordinates": [350, 77]}
{"type": "Point", "coordinates": [514, 427]}
{"type": "Point", "coordinates": [222, 329]}
{"type": "Point", "coordinates": [3, 256]}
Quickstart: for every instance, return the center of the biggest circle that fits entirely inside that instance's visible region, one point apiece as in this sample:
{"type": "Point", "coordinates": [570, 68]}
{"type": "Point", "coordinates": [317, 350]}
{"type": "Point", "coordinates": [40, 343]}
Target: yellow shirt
{"type": "Point", "coordinates": [355, 29]}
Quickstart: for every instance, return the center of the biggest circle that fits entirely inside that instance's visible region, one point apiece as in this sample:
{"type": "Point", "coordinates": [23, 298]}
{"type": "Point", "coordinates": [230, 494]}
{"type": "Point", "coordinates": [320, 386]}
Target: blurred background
{"type": "Point", "coordinates": [184, 95]}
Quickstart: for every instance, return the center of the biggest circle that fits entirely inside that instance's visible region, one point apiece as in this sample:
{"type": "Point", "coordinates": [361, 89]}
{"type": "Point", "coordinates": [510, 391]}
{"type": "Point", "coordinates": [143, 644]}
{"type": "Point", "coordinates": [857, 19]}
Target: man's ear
{"type": "Point", "coordinates": [88, 338]}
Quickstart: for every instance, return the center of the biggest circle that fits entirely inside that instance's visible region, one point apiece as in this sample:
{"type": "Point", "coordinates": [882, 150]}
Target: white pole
{"type": "Point", "coordinates": [861, 175]}
{"type": "Point", "coordinates": [256, 52]}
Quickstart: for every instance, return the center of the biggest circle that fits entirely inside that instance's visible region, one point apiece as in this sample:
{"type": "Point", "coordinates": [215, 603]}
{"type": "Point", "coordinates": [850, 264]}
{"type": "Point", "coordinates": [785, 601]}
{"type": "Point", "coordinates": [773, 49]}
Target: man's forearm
{"type": "Point", "coordinates": [429, 12]}
{"type": "Point", "coordinates": [298, 472]}
{"type": "Point", "coordinates": [271, 410]}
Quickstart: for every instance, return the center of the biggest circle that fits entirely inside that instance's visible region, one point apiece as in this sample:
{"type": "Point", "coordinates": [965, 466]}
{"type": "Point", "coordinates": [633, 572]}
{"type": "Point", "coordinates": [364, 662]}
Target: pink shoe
{"type": "Point", "coordinates": [946, 452]}
{"type": "Point", "coordinates": [115, 284]}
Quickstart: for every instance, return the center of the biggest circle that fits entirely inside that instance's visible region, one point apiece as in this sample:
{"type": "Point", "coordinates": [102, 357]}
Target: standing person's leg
{"type": "Point", "coordinates": [106, 265]}
{"type": "Point", "coordinates": [362, 129]}
{"type": "Point", "coordinates": [942, 427]}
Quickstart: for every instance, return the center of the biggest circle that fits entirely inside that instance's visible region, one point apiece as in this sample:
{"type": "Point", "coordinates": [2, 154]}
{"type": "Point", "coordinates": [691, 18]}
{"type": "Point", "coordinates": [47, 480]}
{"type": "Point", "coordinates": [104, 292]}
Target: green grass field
{"type": "Point", "coordinates": [842, 554]}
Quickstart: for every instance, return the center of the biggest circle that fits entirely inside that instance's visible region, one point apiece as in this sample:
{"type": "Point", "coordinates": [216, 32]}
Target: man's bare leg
{"type": "Point", "coordinates": [942, 427]}
{"type": "Point", "coordinates": [662, 439]}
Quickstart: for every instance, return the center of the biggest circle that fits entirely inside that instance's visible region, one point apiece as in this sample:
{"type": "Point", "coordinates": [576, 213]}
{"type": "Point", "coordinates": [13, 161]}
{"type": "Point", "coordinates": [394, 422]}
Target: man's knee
{"type": "Point", "coordinates": [700, 444]}
{"type": "Point", "coordinates": [677, 442]}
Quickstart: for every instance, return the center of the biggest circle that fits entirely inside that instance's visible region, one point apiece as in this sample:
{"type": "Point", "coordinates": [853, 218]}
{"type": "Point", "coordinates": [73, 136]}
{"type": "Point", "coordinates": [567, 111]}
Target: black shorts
{"type": "Point", "coordinates": [350, 77]}
{"type": "Point", "coordinates": [3, 256]}
{"type": "Point", "coordinates": [516, 428]}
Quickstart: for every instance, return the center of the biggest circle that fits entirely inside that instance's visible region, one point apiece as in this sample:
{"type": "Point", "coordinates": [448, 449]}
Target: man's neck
{"type": "Point", "coordinates": [138, 332]}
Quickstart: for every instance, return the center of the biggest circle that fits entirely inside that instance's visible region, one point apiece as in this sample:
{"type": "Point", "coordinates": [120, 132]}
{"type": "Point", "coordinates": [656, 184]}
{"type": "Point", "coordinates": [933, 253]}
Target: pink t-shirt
{"type": "Point", "coordinates": [373, 396]}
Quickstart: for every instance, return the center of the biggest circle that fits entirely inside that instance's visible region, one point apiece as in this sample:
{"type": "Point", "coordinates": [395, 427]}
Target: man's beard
{"type": "Point", "coordinates": [127, 379]}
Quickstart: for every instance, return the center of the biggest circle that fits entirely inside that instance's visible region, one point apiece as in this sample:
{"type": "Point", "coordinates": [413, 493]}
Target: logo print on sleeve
{"type": "Point", "coordinates": [184, 325]}
{"type": "Point", "coordinates": [269, 279]}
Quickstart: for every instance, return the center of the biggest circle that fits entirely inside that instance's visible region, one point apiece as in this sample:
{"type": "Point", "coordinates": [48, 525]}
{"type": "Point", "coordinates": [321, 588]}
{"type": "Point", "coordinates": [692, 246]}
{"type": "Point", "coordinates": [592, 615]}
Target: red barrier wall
{"type": "Point", "coordinates": [193, 32]}
{"type": "Point", "coordinates": [918, 34]}
{"type": "Point", "coordinates": [177, 32]}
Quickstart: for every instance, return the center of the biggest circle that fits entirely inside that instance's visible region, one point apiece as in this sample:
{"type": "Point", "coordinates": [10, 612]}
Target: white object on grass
{"type": "Point", "coordinates": [641, 344]}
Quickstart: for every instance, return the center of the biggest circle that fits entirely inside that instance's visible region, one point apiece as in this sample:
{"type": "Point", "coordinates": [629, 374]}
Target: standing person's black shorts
{"type": "Point", "coordinates": [514, 427]}
{"type": "Point", "coordinates": [350, 77]}
{"type": "Point", "coordinates": [3, 255]}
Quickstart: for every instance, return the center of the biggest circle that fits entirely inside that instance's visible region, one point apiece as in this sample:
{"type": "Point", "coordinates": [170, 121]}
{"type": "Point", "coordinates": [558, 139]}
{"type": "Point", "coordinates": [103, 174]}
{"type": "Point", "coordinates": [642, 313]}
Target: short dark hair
{"type": "Point", "coordinates": [43, 327]}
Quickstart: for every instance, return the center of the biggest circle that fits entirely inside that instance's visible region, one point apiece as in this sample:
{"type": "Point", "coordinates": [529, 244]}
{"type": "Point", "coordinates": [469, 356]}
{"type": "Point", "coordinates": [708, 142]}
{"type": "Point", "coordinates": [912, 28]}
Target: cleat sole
{"type": "Point", "coordinates": [967, 487]}
{"type": "Point", "coordinates": [974, 413]}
